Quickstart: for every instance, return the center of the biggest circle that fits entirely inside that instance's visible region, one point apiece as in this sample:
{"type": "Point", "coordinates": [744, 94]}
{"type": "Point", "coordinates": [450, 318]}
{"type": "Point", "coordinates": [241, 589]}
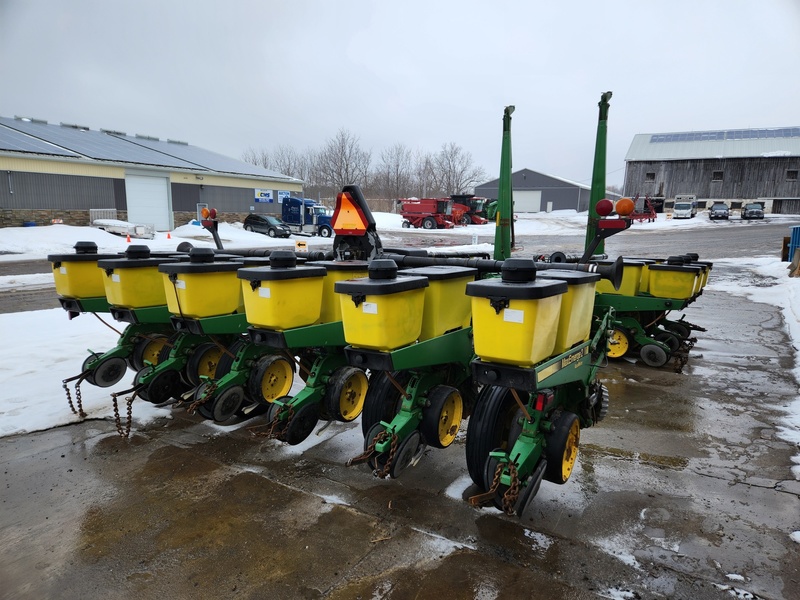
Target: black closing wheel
{"type": "Point", "coordinates": [441, 417]}
{"type": "Point", "coordinates": [162, 387]}
{"type": "Point", "coordinates": [345, 393]}
{"type": "Point", "coordinates": [226, 403]}
{"type": "Point", "coordinates": [561, 449]}
{"type": "Point", "coordinates": [406, 451]}
{"type": "Point", "coordinates": [108, 372]}
{"type": "Point", "coordinates": [302, 424]}
{"type": "Point", "coordinates": [490, 428]}
{"type": "Point", "coordinates": [383, 399]}
{"type": "Point", "coordinates": [669, 339]}
{"type": "Point", "coordinates": [531, 488]}
{"type": "Point", "coordinates": [653, 356]}
{"type": "Point", "coordinates": [205, 408]}
{"type": "Point", "coordinates": [679, 329]}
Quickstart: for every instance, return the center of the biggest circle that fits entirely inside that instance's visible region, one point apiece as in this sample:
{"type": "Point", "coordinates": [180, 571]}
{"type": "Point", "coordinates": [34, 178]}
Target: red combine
{"type": "Point", "coordinates": [472, 207]}
{"type": "Point", "coordinates": [428, 213]}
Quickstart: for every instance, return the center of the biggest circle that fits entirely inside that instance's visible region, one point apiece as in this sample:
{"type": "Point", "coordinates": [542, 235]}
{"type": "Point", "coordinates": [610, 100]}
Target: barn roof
{"type": "Point", "coordinates": [730, 143]}
{"type": "Point", "coordinates": [31, 136]}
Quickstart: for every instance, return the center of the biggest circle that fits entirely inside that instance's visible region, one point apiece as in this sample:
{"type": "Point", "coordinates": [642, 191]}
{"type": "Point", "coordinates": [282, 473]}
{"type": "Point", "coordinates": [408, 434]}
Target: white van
{"type": "Point", "coordinates": [685, 206]}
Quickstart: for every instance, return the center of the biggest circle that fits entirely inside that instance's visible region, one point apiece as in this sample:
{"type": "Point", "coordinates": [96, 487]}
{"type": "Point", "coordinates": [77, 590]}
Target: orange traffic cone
{"type": "Point", "coordinates": [128, 239]}
{"type": "Point", "coordinates": [169, 237]}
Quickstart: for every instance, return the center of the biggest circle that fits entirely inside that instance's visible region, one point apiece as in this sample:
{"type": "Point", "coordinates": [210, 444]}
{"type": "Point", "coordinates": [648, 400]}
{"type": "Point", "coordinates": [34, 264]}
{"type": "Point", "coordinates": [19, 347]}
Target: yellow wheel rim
{"type": "Point", "coordinates": [570, 450]}
{"type": "Point", "coordinates": [153, 349]}
{"type": "Point", "coordinates": [450, 418]}
{"type": "Point", "coordinates": [277, 380]}
{"type": "Point", "coordinates": [352, 394]}
{"type": "Point", "coordinates": [207, 365]}
{"type": "Point", "coordinates": [618, 344]}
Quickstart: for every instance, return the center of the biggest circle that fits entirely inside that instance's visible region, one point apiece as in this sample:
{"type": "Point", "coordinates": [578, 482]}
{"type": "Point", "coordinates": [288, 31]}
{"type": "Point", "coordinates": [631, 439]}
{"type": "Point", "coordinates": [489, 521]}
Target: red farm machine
{"type": "Point", "coordinates": [428, 213]}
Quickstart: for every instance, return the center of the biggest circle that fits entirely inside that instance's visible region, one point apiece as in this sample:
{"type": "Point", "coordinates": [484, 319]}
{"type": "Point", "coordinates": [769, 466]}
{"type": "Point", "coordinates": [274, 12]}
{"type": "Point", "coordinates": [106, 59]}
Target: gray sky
{"type": "Point", "coordinates": [229, 75]}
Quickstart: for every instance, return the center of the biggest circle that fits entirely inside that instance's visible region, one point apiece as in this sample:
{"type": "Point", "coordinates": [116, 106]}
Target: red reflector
{"type": "Point", "coordinates": [539, 405]}
{"type": "Point", "coordinates": [348, 218]}
{"type": "Point", "coordinates": [612, 224]}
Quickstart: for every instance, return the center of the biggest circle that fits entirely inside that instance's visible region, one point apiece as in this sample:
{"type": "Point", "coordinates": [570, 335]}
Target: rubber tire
{"type": "Point", "coordinates": [226, 403]}
{"type": "Point", "coordinates": [325, 231]}
{"type": "Point", "coordinates": [272, 233]}
{"type": "Point", "coordinates": [248, 228]}
{"type": "Point", "coordinates": [432, 416]}
{"type": "Point", "coordinates": [669, 339]}
{"type": "Point", "coordinates": [383, 401]}
{"type": "Point", "coordinates": [682, 331]}
{"type": "Point", "coordinates": [167, 385]}
{"type": "Point", "coordinates": [146, 349]}
{"type": "Point", "coordinates": [255, 379]}
{"type": "Point", "coordinates": [465, 220]}
{"type": "Point", "coordinates": [109, 372]}
{"type": "Point", "coordinates": [405, 452]}
{"type": "Point", "coordinates": [302, 424]}
{"type": "Point", "coordinates": [489, 428]}
{"type": "Point", "coordinates": [555, 450]}
{"type": "Point", "coordinates": [195, 363]}
{"type": "Point", "coordinates": [340, 385]}
{"type": "Point", "coordinates": [653, 356]}
{"type": "Point", "coordinates": [429, 223]}
{"type": "Point", "coordinates": [406, 225]}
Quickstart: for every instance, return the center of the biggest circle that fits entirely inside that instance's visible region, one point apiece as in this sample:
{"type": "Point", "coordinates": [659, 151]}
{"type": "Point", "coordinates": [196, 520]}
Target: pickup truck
{"type": "Point", "coordinates": [752, 211]}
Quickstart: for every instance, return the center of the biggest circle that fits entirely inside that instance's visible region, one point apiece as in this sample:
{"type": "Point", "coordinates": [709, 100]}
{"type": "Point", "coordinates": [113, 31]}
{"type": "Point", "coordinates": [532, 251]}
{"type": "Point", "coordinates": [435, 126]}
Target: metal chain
{"type": "Point", "coordinates": [125, 432]}
{"type": "Point", "coordinates": [78, 399]}
{"type": "Point", "coordinates": [512, 493]}
{"type": "Point", "coordinates": [367, 454]}
{"type": "Point", "coordinates": [480, 499]}
{"type": "Point", "coordinates": [209, 391]}
{"type": "Point", "coordinates": [392, 450]}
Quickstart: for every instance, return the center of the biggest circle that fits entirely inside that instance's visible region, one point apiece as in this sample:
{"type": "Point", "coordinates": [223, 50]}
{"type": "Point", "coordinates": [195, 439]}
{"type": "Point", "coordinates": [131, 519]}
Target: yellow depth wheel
{"type": "Point", "coordinates": [618, 344]}
{"type": "Point", "coordinates": [271, 378]}
{"type": "Point", "coordinates": [441, 418]}
{"type": "Point", "coordinates": [561, 450]}
{"type": "Point", "coordinates": [345, 394]}
{"type": "Point", "coordinates": [203, 363]}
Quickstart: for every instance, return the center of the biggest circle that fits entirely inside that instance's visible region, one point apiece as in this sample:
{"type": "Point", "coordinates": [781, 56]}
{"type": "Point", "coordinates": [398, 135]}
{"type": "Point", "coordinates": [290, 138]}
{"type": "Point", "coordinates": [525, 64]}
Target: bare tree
{"type": "Point", "coordinates": [425, 185]}
{"type": "Point", "coordinates": [393, 177]}
{"type": "Point", "coordinates": [257, 156]}
{"type": "Point", "coordinates": [342, 162]}
{"type": "Point", "coordinates": [454, 171]}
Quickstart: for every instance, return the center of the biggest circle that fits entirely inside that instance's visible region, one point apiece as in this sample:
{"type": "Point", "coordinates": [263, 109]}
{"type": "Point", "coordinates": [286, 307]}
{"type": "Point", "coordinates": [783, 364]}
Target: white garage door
{"type": "Point", "coordinates": [148, 201]}
{"type": "Point", "coordinates": [527, 201]}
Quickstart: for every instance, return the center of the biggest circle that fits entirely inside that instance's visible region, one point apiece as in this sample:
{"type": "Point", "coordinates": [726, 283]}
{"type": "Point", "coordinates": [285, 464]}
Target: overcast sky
{"type": "Point", "coordinates": [228, 75]}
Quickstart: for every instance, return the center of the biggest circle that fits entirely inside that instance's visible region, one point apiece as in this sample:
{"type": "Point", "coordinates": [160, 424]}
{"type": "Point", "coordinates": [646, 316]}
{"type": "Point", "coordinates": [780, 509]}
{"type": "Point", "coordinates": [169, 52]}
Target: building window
{"type": "Point", "coordinates": [652, 176]}
{"type": "Point", "coordinates": [716, 176]}
{"type": "Point", "coordinates": [791, 175]}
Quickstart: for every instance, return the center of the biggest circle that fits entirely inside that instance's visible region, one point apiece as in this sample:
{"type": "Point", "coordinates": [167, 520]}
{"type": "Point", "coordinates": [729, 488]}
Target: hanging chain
{"type": "Point", "coordinates": [480, 499]}
{"type": "Point", "coordinates": [78, 399]}
{"type": "Point", "coordinates": [512, 493]}
{"type": "Point", "coordinates": [124, 432]}
{"type": "Point", "coordinates": [207, 394]}
{"type": "Point", "coordinates": [392, 450]}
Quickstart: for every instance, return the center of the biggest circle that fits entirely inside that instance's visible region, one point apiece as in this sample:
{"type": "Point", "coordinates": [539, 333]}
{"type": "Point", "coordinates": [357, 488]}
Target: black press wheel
{"type": "Point", "coordinates": [429, 223]}
{"type": "Point", "coordinates": [669, 339]}
{"type": "Point", "coordinates": [406, 451]}
{"type": "Point", "coordinates": [302, 424]}
{"type": "Point", "coordinates": [441, 417]}
{"type": "Point", "coordinates": [227, 402]}
{"type": "Point", "coordinates": [270, 378]}
{"type": "Point", "coordinates": [653, 356]}
{"type": "Point", "coordinates": [108, 372]}
{"type": "Point", "coordinates": [345, 393]}
{"type": "Point", "coordinates": [561, 449]}
{"type": "Point", "coordinates": [383, 399]}
{"type": "Point", "coordinates": [490, 428]}
{"type": "Point", "coordinates": [165, 385]}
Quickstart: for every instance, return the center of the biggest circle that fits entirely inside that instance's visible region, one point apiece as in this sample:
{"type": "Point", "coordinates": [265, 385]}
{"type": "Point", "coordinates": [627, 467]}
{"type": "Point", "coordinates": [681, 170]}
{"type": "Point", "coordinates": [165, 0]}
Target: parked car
{"type": "Point", "coordinates": [719, 210]}
{"type": "Point", "coordinates": [752, 211]}
{"type": "Point", "coordinates": [272, 226]}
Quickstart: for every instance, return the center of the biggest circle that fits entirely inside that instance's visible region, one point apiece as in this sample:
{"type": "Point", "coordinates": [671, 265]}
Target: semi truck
{"type": "Point", "coordinates": [306, 216]}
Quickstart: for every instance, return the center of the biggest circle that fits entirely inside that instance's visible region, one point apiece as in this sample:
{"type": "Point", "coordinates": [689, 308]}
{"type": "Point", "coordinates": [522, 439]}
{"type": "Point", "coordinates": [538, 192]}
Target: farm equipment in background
{"type": "Point", "coordinates": [428, 213]}
{"type": "Point", "coordinates": [643, 210]}
{"type": "Point", "coordinates": [473, 208]}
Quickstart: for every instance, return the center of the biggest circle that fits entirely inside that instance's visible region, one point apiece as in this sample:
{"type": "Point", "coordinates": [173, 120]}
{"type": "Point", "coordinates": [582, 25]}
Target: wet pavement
{"type": "Point", "coordinates": [684, 491]}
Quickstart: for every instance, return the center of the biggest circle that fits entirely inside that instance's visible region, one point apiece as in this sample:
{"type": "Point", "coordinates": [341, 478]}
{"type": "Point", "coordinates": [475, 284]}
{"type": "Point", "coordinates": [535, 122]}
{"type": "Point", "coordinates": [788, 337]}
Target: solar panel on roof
{"type": "Point", "coordinates": [96, 145]}
{"type": "Point", "coordinates": [11, 139]}
{"type": "Point", "coordinates": [728, 134]}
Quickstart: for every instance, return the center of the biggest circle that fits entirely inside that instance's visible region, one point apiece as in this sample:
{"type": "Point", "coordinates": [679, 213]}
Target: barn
{"type": "Point", "coordinates": [734, 166]}
{"type": "Point", "coordinates": [535, 192]}
{"type": "Point", "coordinates": [58, 173]}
